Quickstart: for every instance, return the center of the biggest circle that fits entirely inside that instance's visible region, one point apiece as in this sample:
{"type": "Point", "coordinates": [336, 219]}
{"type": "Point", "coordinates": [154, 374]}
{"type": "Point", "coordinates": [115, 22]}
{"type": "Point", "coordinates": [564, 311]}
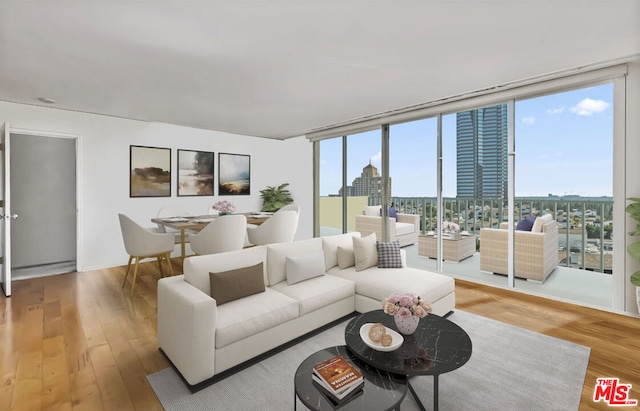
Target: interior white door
{"type": "Point", "coordinates": [5, 203]}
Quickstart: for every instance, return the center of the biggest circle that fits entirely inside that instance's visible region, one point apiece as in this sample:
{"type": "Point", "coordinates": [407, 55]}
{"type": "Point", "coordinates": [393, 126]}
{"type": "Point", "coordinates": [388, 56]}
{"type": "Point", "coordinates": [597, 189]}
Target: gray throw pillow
{"type": "Point", "coordinates": [389, 254]}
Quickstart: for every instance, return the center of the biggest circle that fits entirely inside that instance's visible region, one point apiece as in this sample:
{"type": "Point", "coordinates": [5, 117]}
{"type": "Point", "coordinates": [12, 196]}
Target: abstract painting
{"type": "Point", "coordinates": [195, 173]}
{"type": "Point", "coordinates": [234, 174]}
{"type": "Point", "coordinates": [150, 172]}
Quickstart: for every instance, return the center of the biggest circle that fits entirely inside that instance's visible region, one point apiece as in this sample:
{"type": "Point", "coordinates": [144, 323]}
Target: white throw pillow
{"type": "Point", "coordinates": [365, 252]}
{"type": "Point", "coordinates": [373, 211]}
{"type": "Point", "coordinates": [304, 267]}
{"type": "Point", "coordinates": [540, 222]}
{"type": "Point", "coordinates": [346, 258]}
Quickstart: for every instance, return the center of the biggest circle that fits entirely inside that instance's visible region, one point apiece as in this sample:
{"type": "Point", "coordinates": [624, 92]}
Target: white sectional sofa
{"type": "Point", "coordinates": [203, 339]}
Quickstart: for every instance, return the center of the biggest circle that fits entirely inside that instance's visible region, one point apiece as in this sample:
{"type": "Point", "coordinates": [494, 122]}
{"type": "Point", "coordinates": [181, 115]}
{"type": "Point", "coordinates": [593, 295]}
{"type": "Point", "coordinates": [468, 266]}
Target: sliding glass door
{"type": "Point", "coordinates": [498, 167]}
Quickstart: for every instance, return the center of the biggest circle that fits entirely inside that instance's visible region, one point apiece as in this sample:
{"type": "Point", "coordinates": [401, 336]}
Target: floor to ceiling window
{"type": "Point", "coordinates": [564, 169]}
{"type": "Point", "coordinates": [413, 166]}
{"type": "Point", "coordinates": [330, 183]}
{"type": "Point", "coordinates": [546, 152]}
{"type": "Point", "coordinates": [364, 173]}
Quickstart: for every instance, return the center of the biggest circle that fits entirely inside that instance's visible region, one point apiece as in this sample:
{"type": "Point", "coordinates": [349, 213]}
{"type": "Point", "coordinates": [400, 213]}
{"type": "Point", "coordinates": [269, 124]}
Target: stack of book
{"type": "Point", "coordinates": [338, 379]}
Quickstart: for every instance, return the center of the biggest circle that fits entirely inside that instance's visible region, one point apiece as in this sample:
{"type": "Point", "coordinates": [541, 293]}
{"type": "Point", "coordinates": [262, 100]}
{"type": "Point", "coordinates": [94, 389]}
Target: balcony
{"type": "Point", "coordinates": [585, 247]}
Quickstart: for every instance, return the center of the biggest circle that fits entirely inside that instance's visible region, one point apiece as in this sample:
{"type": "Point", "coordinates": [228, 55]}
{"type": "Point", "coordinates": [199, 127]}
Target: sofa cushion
{"type": "Point", "coordinates": [330, 247]}
{"type": "Point", "coordinates": [277, 254]}
{"type": "Point", "coordinates": [197, 268]}
{"type": "Point", "coordinates": [318, 292]}
{"type": "Point", "coordinates": [404, 228]}
{"type": "Point", "coordinates": [346, 258]}
{"type": "Point", "coordinates": [250, 315]}
{"type": "Point", "coordinates": [393, 213]}
{"type": "Point", "coordinates": [374, 211]}
{"type": "Point", "coordinates": [389, 254]}
{"type": "Point", "coordinates": [304, 267]}
{"type": "Point", "coordinates": [540, 222]}
{"type": "Point", "coordinates": [365, 252]}
{"type": "Point", "coordinates": [526, 224]}
{"type": "Point", "coordinates": [379, 283]}
{"type": "Point", "coordinates": [233, 284]}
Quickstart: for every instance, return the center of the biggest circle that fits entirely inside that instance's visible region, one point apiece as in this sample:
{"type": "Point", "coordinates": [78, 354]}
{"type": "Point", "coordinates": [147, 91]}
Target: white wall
{"type": "Point", "coordinates": [104, 172]}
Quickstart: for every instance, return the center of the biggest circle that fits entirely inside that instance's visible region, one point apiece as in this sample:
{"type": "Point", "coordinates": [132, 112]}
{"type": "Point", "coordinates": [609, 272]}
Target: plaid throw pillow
{"type": "Point", "coordinates": [389, 254]}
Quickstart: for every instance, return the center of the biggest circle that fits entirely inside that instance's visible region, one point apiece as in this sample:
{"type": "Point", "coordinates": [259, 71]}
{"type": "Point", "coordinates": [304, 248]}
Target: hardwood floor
{"type": "Point", "coordinates": [79, 341]}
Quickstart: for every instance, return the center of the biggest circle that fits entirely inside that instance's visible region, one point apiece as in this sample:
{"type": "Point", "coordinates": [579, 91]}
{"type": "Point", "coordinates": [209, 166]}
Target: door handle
{"type": "Point", "coordinates": [7, 216]}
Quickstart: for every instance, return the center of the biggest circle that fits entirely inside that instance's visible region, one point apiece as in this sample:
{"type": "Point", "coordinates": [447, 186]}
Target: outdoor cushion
{"type": "Point", "coordinates": [393, 213]}
{"type": "Point", "coordinates": [374, 211]}
{"type": "Point", "coordinates": [540, 222]}
{"type": "Point", "coordinates": [404, 228]}
{"type": "Point", "coordinates": [526, 224]}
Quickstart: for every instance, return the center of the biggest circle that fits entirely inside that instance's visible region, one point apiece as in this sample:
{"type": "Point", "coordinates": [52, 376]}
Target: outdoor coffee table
{"type": "Point", "coordinates": [381, 390]}
{"type": "Point", "coordinates": [438, 346]}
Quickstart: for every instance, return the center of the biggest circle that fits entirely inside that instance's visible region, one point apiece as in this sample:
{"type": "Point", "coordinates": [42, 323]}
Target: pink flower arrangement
{"type": "Point", "coordinates": [224, 206]}
{"type": "Point", "coordinates": [451, 226]}
{"type": "Point", "coordinates": [406, 305]}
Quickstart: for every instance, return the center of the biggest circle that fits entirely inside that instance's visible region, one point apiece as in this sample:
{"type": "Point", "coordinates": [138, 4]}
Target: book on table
{"type": "Point", "coordinates": [338, 377]}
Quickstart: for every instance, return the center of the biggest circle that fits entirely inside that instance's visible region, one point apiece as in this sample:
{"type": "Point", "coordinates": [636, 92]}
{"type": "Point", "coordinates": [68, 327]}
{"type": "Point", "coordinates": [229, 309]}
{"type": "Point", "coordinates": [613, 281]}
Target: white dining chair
{"type": "Point", "coordinates": [141, 243]}
{"type": "Point", "coordinates": [289, 207]}
{"type": "Point", "coordinates": [280, 228]}
{"type": "Point", "coordinates": [224, 233]}
{"type": "Point", "coordinates": [173, 211]}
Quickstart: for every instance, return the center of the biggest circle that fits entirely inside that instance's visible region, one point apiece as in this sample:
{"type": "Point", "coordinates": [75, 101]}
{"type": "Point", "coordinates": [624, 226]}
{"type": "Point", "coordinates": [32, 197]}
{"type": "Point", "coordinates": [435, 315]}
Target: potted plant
{"type": "Point", "coordinates": [274, 198]}
{"type": "Point", "coordinates": [633, 249]}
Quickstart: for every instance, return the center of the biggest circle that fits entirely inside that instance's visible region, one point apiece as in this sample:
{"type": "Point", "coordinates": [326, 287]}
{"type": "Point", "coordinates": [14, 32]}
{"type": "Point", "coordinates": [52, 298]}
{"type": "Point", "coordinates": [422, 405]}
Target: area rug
{"type": "Point", "coordinates": [510, 369]}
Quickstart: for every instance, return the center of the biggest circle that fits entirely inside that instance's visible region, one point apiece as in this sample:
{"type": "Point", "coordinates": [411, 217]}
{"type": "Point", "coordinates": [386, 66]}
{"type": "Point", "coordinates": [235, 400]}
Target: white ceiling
{"type": "Point", "coordinates": [280, 69]}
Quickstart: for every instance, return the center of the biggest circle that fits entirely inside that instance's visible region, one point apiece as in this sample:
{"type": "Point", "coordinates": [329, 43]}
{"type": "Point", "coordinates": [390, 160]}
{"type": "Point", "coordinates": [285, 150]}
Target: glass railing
{"type": "Point", "coordinates": [585, 226]}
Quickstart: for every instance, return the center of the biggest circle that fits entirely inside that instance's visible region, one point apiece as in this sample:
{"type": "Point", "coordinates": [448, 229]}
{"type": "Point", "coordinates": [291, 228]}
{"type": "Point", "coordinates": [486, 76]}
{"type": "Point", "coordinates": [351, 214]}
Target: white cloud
{"type": "Point", "coordinates": [377, 157]}
{"type": "Point", "coordinates": [528, 121]}
{"type": "Point", "coordinates": [588, 106]}
{"type": "Point", "coordinates": [557, 110]}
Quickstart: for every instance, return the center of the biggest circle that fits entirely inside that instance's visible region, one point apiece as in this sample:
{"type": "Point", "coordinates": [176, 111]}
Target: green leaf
{"type": "Point", "coordinates": [634, 250]}
{"type": "Point", "coordinates": [635, 278]}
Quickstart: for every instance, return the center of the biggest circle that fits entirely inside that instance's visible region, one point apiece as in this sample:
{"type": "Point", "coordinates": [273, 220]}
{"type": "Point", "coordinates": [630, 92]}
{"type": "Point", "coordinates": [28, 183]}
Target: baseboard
{"type": "Point", "coordinates": [226, 373]}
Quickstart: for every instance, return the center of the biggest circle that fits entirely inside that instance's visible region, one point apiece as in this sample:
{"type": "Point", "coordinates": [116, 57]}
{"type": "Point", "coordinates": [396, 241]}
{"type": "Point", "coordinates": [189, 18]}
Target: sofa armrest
{"type": "Point", "coordinates": [409, 218]}
{"type": "Point", "coordinates": [186, 328]}
{"type": "Point", "coordinates": [366, 224]}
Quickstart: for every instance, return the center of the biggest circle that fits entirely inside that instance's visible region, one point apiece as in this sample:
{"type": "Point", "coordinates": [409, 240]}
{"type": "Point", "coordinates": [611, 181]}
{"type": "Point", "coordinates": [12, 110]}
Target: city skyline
{"type": "Point", "coordinates": [564, 146]}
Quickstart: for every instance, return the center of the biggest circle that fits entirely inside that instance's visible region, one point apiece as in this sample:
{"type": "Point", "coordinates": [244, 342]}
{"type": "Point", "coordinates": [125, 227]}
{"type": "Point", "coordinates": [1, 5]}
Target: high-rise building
{"type": "Point", "coordinates": [368, 184]}
{"type": "Point", "coordinates": [482, 152]}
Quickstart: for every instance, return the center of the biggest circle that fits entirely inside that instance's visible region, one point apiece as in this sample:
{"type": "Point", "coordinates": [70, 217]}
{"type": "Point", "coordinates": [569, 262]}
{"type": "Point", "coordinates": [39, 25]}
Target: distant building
{"type": "Point", "coordinates": [482, 152]}
{"type": "Point", "coordinates": [368, 184]}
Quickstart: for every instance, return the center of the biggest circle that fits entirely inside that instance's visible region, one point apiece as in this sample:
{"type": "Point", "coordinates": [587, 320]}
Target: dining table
{"type": "Point", "coordinates": [197, 223]}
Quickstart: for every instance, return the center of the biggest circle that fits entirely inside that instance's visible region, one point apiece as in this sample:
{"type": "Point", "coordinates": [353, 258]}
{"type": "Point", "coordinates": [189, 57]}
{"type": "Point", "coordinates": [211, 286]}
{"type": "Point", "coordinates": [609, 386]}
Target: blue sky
{"type": "Point", "coordinates": [564, 145]}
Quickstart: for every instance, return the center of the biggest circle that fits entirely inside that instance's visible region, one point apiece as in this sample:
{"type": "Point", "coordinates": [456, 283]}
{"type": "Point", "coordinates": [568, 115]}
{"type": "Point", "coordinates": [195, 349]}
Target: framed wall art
{"type": "Point", "coordinates": [234, 174]}
{"type": "Point", "coordinates": [150, 172]}
{"type": "Point", "coordinates": [195, 173]}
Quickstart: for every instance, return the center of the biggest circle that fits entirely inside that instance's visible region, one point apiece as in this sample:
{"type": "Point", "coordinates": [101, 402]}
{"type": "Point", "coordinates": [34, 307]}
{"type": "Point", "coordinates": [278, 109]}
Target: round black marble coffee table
{"type": "Point", "coordinates": [381, 390]}
{"type": "Point", "coordinates": [438, 346]}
